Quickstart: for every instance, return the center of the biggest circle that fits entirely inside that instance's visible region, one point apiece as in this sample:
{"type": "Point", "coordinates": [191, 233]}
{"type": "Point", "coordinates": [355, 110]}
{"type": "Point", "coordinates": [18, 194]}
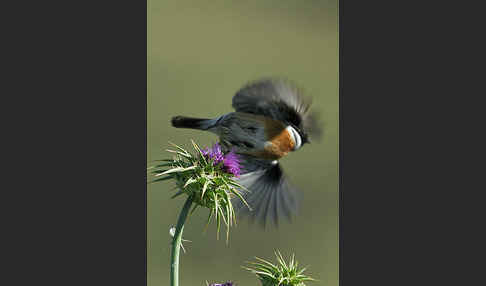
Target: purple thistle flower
{"type": "Point", "coordinates": [205, 152]}
{"type": "Point", "coordinates": [215, 153]}
{"type": "Point", "coordinates": [232, 164]}
{"type": "Point", "coordinates": [230, 161]}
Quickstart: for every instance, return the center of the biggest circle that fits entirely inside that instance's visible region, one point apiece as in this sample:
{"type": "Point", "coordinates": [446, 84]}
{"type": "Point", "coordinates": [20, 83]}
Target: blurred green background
{"type": "Point", "coordinates": [199, 54]}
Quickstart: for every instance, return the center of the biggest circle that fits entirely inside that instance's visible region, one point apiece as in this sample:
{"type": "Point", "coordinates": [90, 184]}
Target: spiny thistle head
{"type": "Point", "coordinates": [207, 177]}
{"type": "Point", "coordinates": [282, 274]}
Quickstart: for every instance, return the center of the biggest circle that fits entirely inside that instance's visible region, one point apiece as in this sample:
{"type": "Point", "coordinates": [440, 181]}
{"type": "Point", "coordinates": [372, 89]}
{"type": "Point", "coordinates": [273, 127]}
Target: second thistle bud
{"type": "Point", "coordinates": [280, 274]}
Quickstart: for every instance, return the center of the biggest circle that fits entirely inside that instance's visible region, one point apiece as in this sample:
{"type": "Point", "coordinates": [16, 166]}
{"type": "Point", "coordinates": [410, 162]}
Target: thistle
{"type": "Point", "coordinates": [207, 180]}
{"type": "Point", "coordinates": [282, 274]}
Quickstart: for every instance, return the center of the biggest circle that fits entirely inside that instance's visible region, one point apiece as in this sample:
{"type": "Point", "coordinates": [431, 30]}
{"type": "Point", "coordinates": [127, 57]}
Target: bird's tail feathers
{"type": "Point", "coordinates": [193, 123]}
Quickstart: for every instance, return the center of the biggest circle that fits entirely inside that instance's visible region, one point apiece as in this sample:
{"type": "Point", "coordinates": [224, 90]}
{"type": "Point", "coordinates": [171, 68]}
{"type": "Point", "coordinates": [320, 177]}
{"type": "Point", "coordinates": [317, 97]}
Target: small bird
{"type": "Point", "coordinates": [271, 119]}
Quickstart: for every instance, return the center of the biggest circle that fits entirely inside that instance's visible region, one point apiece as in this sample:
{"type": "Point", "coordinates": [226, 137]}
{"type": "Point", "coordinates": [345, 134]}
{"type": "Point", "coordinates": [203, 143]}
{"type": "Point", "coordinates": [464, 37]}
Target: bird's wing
{"type": "Point", "coordinates": [278, 99]}
{"type": "Point", "coordinates": [270, 195]}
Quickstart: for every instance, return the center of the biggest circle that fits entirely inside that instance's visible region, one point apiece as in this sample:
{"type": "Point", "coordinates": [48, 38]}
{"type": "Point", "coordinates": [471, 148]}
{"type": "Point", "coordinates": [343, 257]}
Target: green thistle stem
{"type": "Point", "coordinates": [176, 243]}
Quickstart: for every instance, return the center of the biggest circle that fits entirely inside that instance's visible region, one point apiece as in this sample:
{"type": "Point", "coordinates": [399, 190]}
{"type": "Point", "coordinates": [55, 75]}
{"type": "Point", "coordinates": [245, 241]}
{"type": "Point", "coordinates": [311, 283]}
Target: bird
{"type": "Point", "coordinates": [272, 118]}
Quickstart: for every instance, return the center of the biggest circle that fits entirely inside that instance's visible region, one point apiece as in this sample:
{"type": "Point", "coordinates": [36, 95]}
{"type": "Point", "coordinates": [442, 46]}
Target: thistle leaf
{"type": "Point", "coordinates": [198, 151]}
{"type": "Point", "coordinates": [176, 170]}
{"type": "Point", "coordinates": [179, 153]}
{"type": "Point", "coordinates": [205, 186]}
{"type": "Point", "coordinates": [189, 181]}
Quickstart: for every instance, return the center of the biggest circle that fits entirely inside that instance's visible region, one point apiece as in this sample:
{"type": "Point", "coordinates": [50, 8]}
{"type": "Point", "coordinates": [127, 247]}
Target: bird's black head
{"type": "Point", "coordinates": [299, 135]}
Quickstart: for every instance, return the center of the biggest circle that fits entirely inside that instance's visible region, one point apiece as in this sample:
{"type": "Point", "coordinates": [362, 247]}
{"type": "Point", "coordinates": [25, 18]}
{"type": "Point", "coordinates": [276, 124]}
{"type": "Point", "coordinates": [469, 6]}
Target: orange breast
{"type": "Point", "coordinates": [279, 141]}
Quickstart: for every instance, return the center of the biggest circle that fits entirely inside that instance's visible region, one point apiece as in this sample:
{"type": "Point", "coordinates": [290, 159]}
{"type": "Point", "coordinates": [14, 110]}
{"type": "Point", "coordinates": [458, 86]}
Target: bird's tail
{"type": "Point", "coordinates": [193, 123]}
